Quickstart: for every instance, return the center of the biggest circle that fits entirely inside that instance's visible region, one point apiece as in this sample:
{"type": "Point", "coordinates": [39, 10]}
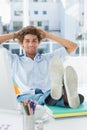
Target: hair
{"type": "Point", "coordinates": [29, 30]}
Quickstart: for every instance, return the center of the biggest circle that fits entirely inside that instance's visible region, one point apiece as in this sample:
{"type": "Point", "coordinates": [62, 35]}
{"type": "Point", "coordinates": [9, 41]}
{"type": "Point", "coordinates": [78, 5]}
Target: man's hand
{"type": "Point", "coordinates": [20, 32]}
{"type": "Point", "coordinates": [43, 33]}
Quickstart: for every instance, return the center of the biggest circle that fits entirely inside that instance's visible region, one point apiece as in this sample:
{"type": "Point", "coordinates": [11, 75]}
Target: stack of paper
{"type": "Point", "coordinates": [58, 112]}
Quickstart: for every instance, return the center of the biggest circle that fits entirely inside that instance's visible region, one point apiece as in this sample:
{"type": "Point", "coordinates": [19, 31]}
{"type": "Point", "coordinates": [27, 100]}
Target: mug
{"type": "Point", "coordinates": [29, 122]}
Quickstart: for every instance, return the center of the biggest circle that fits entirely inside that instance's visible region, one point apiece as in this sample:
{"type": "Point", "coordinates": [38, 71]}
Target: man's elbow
{"type": "Point", "coordinates": [72, 48]}
{"type": "Point", "coordinates": [76, 46]}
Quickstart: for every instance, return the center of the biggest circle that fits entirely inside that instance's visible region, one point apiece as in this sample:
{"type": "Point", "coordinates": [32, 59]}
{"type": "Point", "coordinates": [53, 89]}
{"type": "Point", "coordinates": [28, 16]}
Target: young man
{"type": "Point", "coordinates": [42, 77]}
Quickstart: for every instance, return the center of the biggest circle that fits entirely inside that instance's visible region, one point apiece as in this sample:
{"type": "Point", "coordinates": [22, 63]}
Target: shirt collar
{"type": "Point", "coordinates": [37, 58]}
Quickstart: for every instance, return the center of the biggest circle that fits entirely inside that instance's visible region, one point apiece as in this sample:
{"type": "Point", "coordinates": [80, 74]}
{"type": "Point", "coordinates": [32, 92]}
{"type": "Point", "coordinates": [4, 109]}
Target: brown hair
{"type": "Point", "coordinates": [29, 30]}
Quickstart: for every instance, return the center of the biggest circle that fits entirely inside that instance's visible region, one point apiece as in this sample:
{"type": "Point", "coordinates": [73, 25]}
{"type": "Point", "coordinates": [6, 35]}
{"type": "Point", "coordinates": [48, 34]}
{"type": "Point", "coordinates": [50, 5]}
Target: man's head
{"type": "Point", "coordinates": [29, 30]}
{"type": "Point", "coordinates": [30, 37]}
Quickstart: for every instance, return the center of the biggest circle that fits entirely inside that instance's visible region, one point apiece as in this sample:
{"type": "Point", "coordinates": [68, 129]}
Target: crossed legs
{"type": "Point", "coordinates": [64, 82]}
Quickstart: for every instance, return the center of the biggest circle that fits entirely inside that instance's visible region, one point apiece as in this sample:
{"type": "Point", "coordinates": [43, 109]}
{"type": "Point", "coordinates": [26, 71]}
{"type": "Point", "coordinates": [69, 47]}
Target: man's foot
{"type": "Point", "coordinates": [71, 85]}
{"type": "Point", "coordinates": [56, 74]}
{"type": "Point", "coordinates": [81, 97]}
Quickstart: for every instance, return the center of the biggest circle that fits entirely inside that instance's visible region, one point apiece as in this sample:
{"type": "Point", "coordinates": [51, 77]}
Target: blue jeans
{"type": "Point", "coordinates": [40, 98]}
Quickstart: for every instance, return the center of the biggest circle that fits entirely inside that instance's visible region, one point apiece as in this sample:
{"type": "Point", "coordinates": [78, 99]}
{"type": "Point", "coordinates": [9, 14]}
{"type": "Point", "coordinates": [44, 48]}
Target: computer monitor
{"type": "Point", "coordinates": [7, 94]}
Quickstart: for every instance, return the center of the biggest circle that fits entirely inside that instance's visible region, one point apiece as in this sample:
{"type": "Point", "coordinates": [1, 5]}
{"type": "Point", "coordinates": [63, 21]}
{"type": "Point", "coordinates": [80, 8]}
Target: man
{"type": "Point", "coordinates": [42, 77]}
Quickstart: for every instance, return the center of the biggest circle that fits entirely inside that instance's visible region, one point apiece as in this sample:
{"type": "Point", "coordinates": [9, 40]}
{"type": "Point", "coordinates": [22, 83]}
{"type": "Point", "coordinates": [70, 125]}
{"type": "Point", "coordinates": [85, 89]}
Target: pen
{"type": "Point", "coordinates": [29, 107]}
{"type": "Point", "coordinates": [26, 108]}
{"type": "Point", "coordinates": [33, 106]}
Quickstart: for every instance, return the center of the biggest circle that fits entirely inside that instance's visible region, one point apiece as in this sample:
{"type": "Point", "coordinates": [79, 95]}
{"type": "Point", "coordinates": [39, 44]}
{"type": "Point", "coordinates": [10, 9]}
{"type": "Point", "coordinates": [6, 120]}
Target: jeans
{"type": "Point", "coordinates": [40, 98]}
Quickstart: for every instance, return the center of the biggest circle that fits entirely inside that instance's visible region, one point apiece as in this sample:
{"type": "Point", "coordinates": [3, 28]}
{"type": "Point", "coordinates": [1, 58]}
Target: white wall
{"type": "Point", "coordinates": [16, 6]}
{"type": "Point", "coordinates": [1, 28]}
{"type": "Point", "coordinates": [85, 15]}
{"type": "Point", "coordinates": [70, 26]}
{"type": "Point", "coordinates": [59, 17]}
{"type": "Point", "coordinates": [52, 13]}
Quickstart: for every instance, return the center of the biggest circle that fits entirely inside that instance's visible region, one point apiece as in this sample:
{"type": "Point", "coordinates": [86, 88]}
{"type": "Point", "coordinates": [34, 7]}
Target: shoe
{"type": "Point", "coordinates": [71, 86]}
{"type": "Point", "coordinates": [81, 97]}
{"type": "Point", "coordinates": [56, 74]}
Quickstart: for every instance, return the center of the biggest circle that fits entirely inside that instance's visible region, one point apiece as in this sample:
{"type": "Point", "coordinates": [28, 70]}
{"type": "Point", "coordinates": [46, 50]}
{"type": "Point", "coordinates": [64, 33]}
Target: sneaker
{"type": "Point", "coordinates": [56, 74]}
{"type": "Point", "coordinates": [81, 97]}
{"type": "Point", "coordinates": [71, 86]}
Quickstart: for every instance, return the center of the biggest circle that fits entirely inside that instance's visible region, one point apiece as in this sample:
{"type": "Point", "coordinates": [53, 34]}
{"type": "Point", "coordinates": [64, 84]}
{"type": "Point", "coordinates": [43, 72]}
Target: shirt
{"type": "Point", "coordinates": [29, 74]}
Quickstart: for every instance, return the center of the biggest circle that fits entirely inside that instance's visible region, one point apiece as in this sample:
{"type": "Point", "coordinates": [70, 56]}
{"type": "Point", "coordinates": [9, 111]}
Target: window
{"type": "Point", "coordinates": [17, 25]}
{"type": "Point", "coordinates": [44, 48]}
{"type": "Point", "coordinates": [35, 12]}
{"type": "Point", "coordinates": [31, 22]}
{"type": "Point", "coordinates": [15, 51]}
{"type": "Point", "coordinates": [6, 46]}
{"type": "Point", "coordinates": [18, 13]}
{"type": "Point", "coordinates": [55, 46]}
{"type": "Point", "coordinates": [17, 0]}
{"type": "Point", "coordinates": [39, 23]}
{"type": "Point", "coordinates": [46, 25]}
{"type": "Point", "coordinates": [47, 47]}
{"type": "Point", "coordinates": [44, 0]}
{"type": "Point", "coordinates": [35, 0]}
{"type": "Point", "coordinates": [44, 12]}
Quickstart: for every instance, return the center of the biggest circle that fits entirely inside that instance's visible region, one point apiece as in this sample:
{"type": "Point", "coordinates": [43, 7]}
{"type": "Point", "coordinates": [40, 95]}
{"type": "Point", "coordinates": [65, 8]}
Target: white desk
{"type": "Point", "coordinates": [11, 121]}
{"type": "Point", "coordinates": [73, 123]}
{"type": "Point", "coordinates": [15, 122]}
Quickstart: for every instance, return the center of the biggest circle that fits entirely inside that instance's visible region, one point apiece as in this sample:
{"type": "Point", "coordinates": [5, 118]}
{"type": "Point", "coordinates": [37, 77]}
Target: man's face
{"type": "Point", "coordinates": [30, 44]}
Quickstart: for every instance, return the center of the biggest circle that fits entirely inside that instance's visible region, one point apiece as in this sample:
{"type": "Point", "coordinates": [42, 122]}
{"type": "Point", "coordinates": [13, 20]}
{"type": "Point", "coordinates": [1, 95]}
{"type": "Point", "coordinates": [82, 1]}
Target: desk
{"type": "Point", "coordinates": [15, 122]}
{"type": "Point", "coordinates": [73, 123]}
{"type": "Point", "coordinates": [12, 120]}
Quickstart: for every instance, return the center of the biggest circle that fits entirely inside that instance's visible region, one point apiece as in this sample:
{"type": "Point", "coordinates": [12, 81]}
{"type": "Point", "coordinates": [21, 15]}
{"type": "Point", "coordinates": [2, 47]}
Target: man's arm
{"type": "Point", "coordinates": [9, 36]}
{"type": "Point", "coordinates": [6, 37]}
{"type": "Point", "coordinates": [67, 44]}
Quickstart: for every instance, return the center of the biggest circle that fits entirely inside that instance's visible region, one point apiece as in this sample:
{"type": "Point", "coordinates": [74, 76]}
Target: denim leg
{"type": "Point", "coordinates": [33, 97]}
{"type": "Point", "coordinates": [40, 98]}
{"type": "Point", "coordinates": [60, 102]}
{"type": "Point", "coordinates": [52, 102]}
{"type": "Point", "coordinates": [45, 96]}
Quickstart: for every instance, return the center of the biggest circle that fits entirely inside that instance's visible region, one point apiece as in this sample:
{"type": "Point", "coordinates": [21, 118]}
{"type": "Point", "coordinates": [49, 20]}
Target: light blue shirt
{"type": "Point", "coordinates": [30, 74]}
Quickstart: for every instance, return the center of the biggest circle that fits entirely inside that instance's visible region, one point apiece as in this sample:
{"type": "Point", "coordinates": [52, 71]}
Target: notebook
{"type": "Point", "coordinates": [8, 99]}
{"type": "Point", "coordinates": [60, 112]}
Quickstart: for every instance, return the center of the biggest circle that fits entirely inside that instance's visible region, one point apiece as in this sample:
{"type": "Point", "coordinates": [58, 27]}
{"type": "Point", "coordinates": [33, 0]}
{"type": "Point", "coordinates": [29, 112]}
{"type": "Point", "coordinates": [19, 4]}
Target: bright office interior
{"type": "Point", "coordinates": [69, 21]}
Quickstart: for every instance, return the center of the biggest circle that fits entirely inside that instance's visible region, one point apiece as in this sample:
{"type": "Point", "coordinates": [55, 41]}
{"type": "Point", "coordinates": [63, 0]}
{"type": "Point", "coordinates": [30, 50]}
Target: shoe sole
{"type": "Point", "coordinates": [71, 85]}
{"type": "Point", "coordinates": [56, 72]}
